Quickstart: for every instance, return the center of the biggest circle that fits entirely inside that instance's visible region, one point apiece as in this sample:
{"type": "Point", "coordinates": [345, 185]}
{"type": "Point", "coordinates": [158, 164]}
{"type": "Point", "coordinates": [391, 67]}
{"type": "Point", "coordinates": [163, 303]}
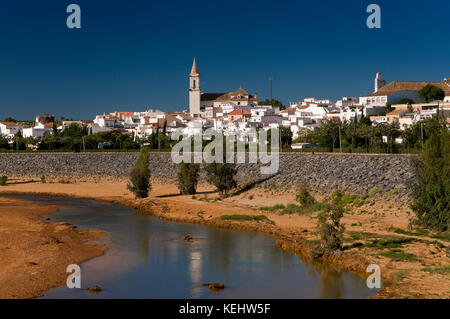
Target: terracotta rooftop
{"type": "Point", "coordinates": [238, 95]}
{"type": "Point", "coordinates": [10, 123]}
{"type": "Point", "coordinates": [396, 86]}
{"type": "Point", "coordinates": [290, 110]}
{"type": "Point", "coordinates": [396, 112]}
{"type": "Point", "coordinates": [239, 112]}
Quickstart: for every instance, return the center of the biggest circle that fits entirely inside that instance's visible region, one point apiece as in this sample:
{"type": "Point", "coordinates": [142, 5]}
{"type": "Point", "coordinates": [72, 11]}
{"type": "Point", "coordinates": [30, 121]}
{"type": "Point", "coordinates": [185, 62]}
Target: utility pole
{"type": "Point", "coordinates": [270, 83]}
{"type": "Point", "coordinates": [421, 133]}
{"type": "Point", "coordinates": [84, 146]}
{"type": "Point", "coordinates": [438, 111]}
{"type": "Point", "coordinates": [340, 139]}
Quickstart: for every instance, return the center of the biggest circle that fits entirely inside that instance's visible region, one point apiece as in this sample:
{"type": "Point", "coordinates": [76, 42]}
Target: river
{"type": "Point", "coordinates": [148, 259]}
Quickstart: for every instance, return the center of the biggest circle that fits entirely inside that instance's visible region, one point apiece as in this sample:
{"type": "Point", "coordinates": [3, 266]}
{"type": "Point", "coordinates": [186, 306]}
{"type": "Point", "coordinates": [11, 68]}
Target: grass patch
{"type": "Point", "coordinates": [378, 241]}
{"type": "Point", "coordinates": [399, 255]}
{"type": "Point", "coordinates": [445, 236]}
{"type": "Point", "coordinates": [392, 192]}
{"type": "Point", "coordinates": [355, 200]}
{"type": "Point", "coordinates": [244, 217]}
{"type": "Point", "coordinates": [349, 198]}
{"type": "Point", "coordinates": [271, 187]}
{"type": "Point", "coordinates": [292, 209]}
{"type": "Point", "coordinates": [272, 208]}
{"type": "Point", "coordinates": [400, 274]}
{"type": "Point", "coordinates": [442, 270]}
{"type": "Point", "coordinates": [208, 200]}
{"type": "Point", "coordinates": [441, 236]}
{"type": "Point", "coordinates": [373, 191]}
{"type": "Point", "coordinates": [360, 235]}
{"type": "Point", "coordinates": [303, 210]}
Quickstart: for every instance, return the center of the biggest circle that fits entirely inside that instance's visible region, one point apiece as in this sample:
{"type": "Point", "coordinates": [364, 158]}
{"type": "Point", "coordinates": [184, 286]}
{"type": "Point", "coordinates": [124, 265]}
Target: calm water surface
{"type": "Point", "coordinates": [148, 259]}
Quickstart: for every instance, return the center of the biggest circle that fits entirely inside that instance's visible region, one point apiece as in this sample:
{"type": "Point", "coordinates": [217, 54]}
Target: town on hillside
{"type": "Point", "coordinates": [399, 103]}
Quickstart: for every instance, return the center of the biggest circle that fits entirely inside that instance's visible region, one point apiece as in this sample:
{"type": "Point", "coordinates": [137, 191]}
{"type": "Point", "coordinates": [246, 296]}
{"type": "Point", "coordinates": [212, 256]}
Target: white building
{"type": "Point", "coordinates": [9, 129]}
{"type": "Point", "coordinates": [105, 120]}
{"type": "Point", "coordinates": [347, 101]}
{"type": "Point", "coordinates": [37, 131]}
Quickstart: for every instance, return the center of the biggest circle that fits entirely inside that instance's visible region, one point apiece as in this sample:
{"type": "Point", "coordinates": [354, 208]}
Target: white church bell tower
{"type": "Point", "coordinates": [379, 82]}
{"type": "Point", "coordinates": [194, 90]}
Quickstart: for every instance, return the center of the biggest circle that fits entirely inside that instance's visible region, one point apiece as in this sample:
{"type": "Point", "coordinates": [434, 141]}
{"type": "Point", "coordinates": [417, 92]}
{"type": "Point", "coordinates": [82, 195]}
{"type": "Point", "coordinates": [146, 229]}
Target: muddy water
{"type": "Point", "coordinates": [148, 259]}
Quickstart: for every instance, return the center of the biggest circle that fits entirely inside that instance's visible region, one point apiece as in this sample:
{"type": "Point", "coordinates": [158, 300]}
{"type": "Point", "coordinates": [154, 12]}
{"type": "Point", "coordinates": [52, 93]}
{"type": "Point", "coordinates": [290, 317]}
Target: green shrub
{"type": "Point", "coordinates": [431, 191]}
{"type": "Point", "coordinates": [139, 183]}
{"type": "Point", "coordinates": [43, 180]}
{"type": "Point", "coordinates": [304, 197]}
{"type": "Point", "coordinates": [3, 180]}
{"type": "Point", "coordinates": [221, 175]}
{"type": "Point", "coordinates": [329, 224]}
{"type": "Point", "coordinates": [187, 177]}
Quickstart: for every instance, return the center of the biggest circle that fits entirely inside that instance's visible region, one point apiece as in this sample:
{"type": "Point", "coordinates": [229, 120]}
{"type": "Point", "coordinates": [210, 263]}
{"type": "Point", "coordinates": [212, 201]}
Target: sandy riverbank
{"type": "Point", "coordinates": [416, 276]}
{"type": "Point", "coordinates": [34, 254]}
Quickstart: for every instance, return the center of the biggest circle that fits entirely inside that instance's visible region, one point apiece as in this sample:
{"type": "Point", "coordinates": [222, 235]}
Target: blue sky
{"type": "Point", "coordinates": [135, 54]}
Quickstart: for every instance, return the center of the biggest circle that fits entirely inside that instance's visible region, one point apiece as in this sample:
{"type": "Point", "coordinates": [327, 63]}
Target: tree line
{"type": "Point", "coordinates": [363, 137]}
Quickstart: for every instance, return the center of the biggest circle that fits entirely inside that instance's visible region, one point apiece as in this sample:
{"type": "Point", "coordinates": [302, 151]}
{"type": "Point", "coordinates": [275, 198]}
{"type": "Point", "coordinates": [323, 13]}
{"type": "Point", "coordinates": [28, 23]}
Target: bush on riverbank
{"type": "Point", "coordinates": [3, 180]}
{"type": "Point", "coordinates": [329, 224]}
{"type": "Point", "coordinates": [221, 175]}
{"type": "Point", "coordinates": [304, 197]}
{"type": "Point", "coordinates": [139, 183]}
{"type": "Point", "coordinates": [187, 178]}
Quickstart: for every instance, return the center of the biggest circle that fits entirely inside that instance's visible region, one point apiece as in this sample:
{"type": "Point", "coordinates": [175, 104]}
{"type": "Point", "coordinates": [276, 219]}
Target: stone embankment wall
{"type": "Point", "coordinates": [351, 172]}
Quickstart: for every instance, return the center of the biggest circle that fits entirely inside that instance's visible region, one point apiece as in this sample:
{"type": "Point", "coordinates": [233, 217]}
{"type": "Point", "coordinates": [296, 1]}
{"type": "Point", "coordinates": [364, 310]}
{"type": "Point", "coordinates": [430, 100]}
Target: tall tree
{"type": "Point", "coordinates": [432, 190]}
{"type": "Point", "coordinates": [432, 93]}
{"type": "Point", "coordinates": [139, 183]}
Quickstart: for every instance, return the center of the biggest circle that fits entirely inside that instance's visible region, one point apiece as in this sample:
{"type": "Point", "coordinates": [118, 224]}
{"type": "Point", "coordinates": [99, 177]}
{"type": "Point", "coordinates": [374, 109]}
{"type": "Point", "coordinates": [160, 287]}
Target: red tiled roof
{"type": "Point", "coordinates": [47, 125]}
{"type": "Point", "coordinates": [396, 86]}
{"type": "Point", "coordinates": [289, 110]}
{"type": "Point", "coordinates": [9, 123]}
{"type": "Point", "coordinates": [239, 112]}
{"type": "Point", "coordinates": [126, 113]}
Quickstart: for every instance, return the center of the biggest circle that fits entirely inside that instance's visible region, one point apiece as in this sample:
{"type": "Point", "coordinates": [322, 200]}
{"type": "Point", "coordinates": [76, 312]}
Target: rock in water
{"type": "Point", "coordinates": [214, 286]}
{"type": "Point", "coordinates": [95, 289]}
{"type": "Point", "coordinates": [186, 238]}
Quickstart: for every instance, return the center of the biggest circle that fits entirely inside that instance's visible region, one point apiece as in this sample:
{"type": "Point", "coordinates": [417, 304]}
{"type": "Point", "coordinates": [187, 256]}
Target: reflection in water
{"type": "Point", "coordinates": [332, 284]}
{"type": "Point", "coordinates": [148, 259]}
{"type": "Point", "coordinates": [195, 271]}
{"type": "Point", "coordinates": [143, 238]}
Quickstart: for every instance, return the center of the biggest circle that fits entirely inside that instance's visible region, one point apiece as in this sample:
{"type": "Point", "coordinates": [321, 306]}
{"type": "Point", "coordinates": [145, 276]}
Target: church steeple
{"type": "Point", "coordinates": [194, 90]}
{"type": "Point", "coordinates": [194, 68]}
